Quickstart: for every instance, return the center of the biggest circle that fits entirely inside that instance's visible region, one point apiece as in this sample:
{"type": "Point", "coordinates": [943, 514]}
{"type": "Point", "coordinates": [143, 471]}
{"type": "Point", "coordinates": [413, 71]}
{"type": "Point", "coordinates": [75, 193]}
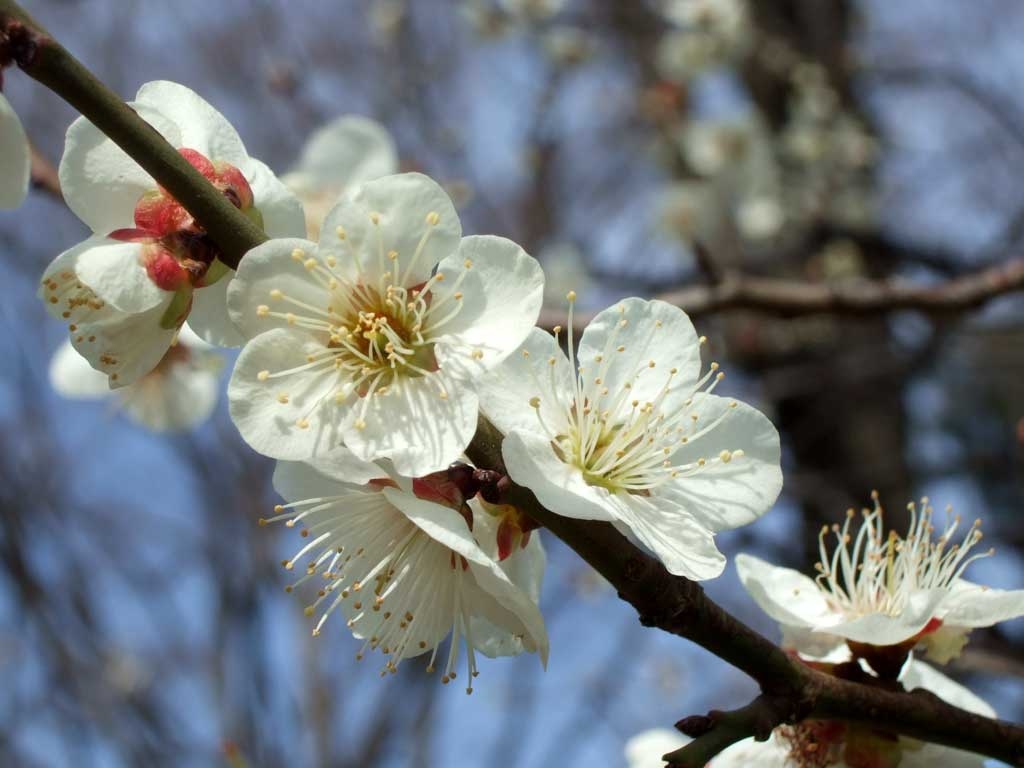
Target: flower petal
{"type": "Point", "coordinates": [72, 376]}
{"type": "Point", "coordinates": [728, 494]}
{"type": "Point", "coordinates": [100, 183]}
{"type": "Point", "coordinates": [297, 480]}
{"type": "Point", "coordinates": [413, 426]}
{"type": "Point", "coordinates": [267, 411]}
{"type": "Point", "coordinates": [972, 605]}
{"type": "Point", "coordinates": [532, 462]}
{"type": "Point", "coordinates": [114, 272]}
{"type": "Point", "coordinates": [347, 151]}
{"type": "Point", "coordinates": [506, 392]}
{"type": "Point", "coordinates": [917, 674]}
{"type": "Point", "coordinates": [788, 596]}
{"type": "Point", "coordinates": [881, 629]}
{"type": "Point", "coordinates": [645, 749]}
{"type": "Point", "coordinates": [15, 157]}
{"type": "Point", "coordinates": [403, 207]}
{"type": "Point", "coordinates": [684, 546]}
{"type": "Point", "coordinates": [501, 298]}
{"type": "Point", "coordinates": [202, 127]}
{"type": "Point", "coordinates": [209, 316]}
{"type": "Point", "coordinates": [653, 331]}
{"type": "Point", "coordinates": [176, 397]}
{"type": "Point", "coordinates": [280, 208]}
{"type": "Point", "coordinates": [520, 616]}
{"type": "Point", "coordinates": [271, 267]}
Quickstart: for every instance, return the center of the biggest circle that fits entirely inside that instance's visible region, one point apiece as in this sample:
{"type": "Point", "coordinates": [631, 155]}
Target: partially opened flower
{"type": "Point", "coordinates": [878, 588]}
{"type": "Point", "coordinates": [178, 394]}
{"type": "Point", "coordinates": [828, 744]}
{"type": "Point", "coordinates": [126, 291]}
{"type": "Point", "coordinates": [345, 152]}
{"type": "Point", "coordinates": [405, 572]}
{"type": "Point", "coordinates": [634, 435]}
{"type": "Point", "coordinates": [15, 157]}
{"type": "Point", "coordinates": [375, 337]}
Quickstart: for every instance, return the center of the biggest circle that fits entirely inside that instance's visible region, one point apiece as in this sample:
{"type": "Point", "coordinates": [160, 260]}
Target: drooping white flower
{"type": "Point", "coordinates": [786, 746]}
{"type": "Point", "coordinates": [646, 748]}
{"type": "Point", "coordinates": [375, 337]}
{"type": "Point", "coordinates": [636, 437]}
{"type": "Point", "coordinates": [180, 393]}
{"type": "Point", "coordinates": [407, 573]}
{"type": "Point", "coordinates": [345, 152]}
{"type": "Point", "coordinates": [15, 157]}
{"type": "Point", "coordinates": [882, 589]}
{"type": "Point", "coordinates": [125, 291]}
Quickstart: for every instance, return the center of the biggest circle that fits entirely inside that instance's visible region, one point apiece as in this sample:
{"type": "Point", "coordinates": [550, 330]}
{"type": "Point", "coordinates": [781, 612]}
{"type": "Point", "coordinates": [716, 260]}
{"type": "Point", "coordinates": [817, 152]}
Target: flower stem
{"type": "Point", "coordinates": [46, 61]}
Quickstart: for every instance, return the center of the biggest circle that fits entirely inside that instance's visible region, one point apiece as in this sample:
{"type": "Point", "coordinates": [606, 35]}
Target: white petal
{"type": "Point", "coordinates": [524, 568]}
{"type": "Point", "coordinates": [401, 205]}
{"type": "Point", "coordinates": [501, 298]}
{"type": "Point", "coordinates": [972, 605]}
{"type": "Point", "coordinates": [449, 528]}
{"type": "Point", "coordinates": [347, 151]}
{"type": "Point", "coordinates": [72, 376]}
{"type": "Point", "coordinates": [127, 346]}
{"type": "Point", "coordinates": [202, 127]}
{"type": "Point", "coordinates": [177, 396]}
{"type": "Point", "coordinates": [560, 487]}
{"type": "Point", "coordinates": [788, 596]}
{"type": "Point", "coordinates": [505, 393]}
{"type": "Point", "coordinates": [684, 546]}
{"type": "Point", "coordinates": [645, 749]}
{"type": "Point", "coordinates": [323, 476]}
{"type": "Point", "coordinates": [280, 208]}
{"type": "Point", "coordinates": [100, 183]}
{"type": "Point", "coordinates": [726, 495]}
{"type": "Point", "coordinates": [268, 267]}
{"type": "Point", "coordinates": [15, 157]}
{"type": "Point", "coordinates": [114, 271]}
{"type": "Point", "coordinates": [209, 316]}
{"type": "Point", "coordinates": [881, 629]}
{"type": "Point", "coordinates": [413, 426]}
{"type": "Point", "coordinates": [917, 674]}
{"type": "Point", "coordinates": [655, 331]}
{"type": "Point", "coordinates": [269, 425]}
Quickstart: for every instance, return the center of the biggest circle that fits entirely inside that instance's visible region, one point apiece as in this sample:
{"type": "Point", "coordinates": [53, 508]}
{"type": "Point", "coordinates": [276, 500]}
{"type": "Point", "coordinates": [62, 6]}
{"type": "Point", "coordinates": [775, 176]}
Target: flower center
{"type": "Point", "coordinates": [379, 328]}
{"type": "Point", "coordinates": [619, 441]}
{"type": "Point", "coordinates": [877, 573]}
{"type": "Point", "coordinates": [178, 252]}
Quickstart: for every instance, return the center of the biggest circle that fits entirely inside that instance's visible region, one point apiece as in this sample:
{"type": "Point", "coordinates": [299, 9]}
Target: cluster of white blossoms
{"type": "Point", "coordinates": [367, 356]}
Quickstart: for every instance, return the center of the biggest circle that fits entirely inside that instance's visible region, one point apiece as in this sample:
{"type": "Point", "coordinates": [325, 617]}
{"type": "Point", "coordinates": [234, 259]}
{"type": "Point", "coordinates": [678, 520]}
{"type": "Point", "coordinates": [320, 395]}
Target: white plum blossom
{"type": "Point", "coordinates": [347, 151]}
{"type": "Point", "coordinates": [178, 394]}
{"type": "Point", "coordinates": [782, 751]}
{"type": "Point", "coordinates": [126, 291]}
{"type": "Point", "coordinates": [406, 572]}
{"type": "Point", "coordinates": [15, 157]}
{"type": "Point", "coordinates": [645, 750]}
{"type": "Point", "coordinates": [882, 589]}
{"type": "Point", "coordinates": [709, 33]}
{"type": "Point", "coordinates": [376, 336]}
{"type": "Point", "coordinates": [635, 435]}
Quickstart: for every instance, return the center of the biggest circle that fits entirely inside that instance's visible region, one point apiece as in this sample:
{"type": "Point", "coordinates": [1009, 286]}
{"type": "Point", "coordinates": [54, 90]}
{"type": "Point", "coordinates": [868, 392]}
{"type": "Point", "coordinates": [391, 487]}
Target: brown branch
{"type": "Point", "coordinates": [863, 298]}
{"type": "Point", "coordinates": [791, 690]}
{"type": "Point", "coordinates": [42, 58]}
